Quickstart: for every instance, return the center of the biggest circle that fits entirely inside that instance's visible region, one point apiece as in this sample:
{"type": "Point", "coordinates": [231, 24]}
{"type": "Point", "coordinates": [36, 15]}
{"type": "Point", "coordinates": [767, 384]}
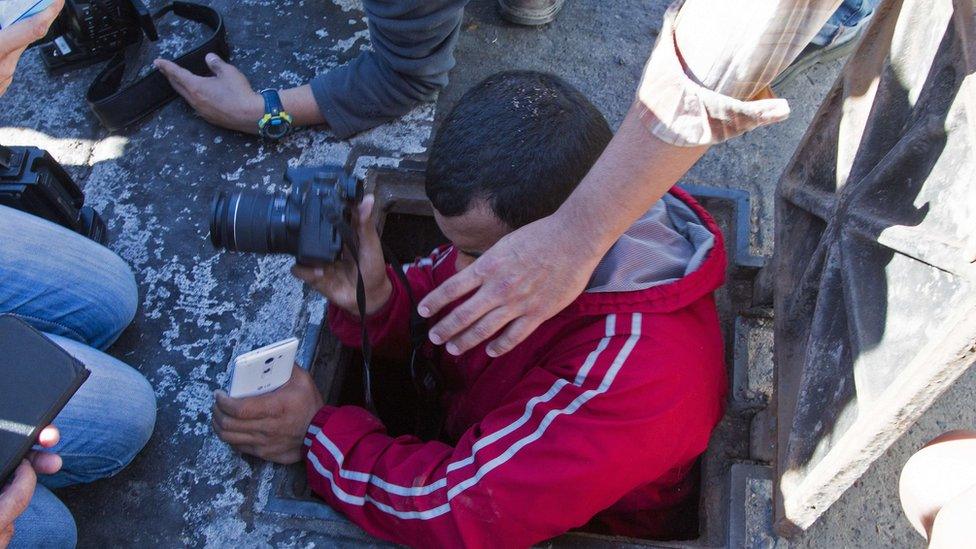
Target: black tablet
{"type": "Point", "coordinates": [37, 378]}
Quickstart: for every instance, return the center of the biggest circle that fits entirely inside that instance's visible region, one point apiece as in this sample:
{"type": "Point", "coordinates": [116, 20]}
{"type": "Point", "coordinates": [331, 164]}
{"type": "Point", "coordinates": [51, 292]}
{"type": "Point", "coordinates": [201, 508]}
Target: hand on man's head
{"type": "Point", "coordinates": [525, 279]}
{"type": "Point", "coordinates": [270, 426]}
{"type": "Point", "coordinates": [15, 39]}
{"type": "Point", "coordinates": [337, 282]}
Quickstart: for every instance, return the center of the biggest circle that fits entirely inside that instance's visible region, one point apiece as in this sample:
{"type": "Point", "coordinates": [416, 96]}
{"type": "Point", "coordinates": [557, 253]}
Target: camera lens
{"type": "Point", "coordinates": [251, 222]}
{"type": "Point", "coordinates": [351, 188]}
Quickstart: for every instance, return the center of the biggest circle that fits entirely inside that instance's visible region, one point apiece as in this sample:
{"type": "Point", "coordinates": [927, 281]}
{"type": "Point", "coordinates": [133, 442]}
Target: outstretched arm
{"type": "Point", "coordinates": [412, 52]}
{"type": "Point", "coordinates": [702, 85]}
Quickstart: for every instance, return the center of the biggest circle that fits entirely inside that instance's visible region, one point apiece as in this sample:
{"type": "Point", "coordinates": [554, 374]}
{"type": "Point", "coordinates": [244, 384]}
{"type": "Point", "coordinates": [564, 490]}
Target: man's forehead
{"type": "Point", "coordinates": [475, 230]}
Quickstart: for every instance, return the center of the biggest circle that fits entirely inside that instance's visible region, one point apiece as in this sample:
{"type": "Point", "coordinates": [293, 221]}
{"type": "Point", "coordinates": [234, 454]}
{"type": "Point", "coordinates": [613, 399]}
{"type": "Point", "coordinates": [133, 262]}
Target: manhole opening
{"type": "Point", "coordinates": [410, 231]}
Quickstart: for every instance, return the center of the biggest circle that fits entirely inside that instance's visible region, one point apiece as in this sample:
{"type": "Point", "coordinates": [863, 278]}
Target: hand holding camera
{"type": "Point", "coordinates": [323, 221]}
{"type": "Point", "coordinates": [337, 281]}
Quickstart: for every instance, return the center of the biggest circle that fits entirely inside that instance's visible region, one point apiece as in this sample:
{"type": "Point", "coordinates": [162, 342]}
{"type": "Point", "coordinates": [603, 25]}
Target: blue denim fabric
{"type": "Point", "coordinates": [63, 283]}
{"type": "Point", "coordinates": [82, 296]}
{"type": "Point", "coordinates": [850, 14]}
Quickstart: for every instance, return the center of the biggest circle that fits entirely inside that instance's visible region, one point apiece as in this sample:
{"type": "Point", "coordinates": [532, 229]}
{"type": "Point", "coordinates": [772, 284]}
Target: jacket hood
{"type": "Point", "coordinates": [670, 257]}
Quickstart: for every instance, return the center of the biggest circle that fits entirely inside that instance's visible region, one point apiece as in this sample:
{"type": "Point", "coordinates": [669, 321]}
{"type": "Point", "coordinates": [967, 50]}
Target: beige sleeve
{"type": "Point", "coordinates": [707, 79]}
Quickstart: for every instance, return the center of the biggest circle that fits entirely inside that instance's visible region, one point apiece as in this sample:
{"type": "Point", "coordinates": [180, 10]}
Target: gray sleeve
{"type": "Point", "coordinates": [413, 50]}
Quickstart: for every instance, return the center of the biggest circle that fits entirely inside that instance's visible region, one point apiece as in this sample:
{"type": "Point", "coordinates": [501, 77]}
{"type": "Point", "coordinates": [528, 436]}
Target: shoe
{"type": "Point", "coordinates": [530, 12]}
{"type": "Point", "coordinates": [842, 45]}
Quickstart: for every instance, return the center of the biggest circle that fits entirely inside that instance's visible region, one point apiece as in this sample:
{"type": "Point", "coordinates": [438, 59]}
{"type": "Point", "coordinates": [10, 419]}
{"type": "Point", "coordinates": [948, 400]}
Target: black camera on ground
{"type": "Point", "coordinates": [308, 222]}
{"type": "Point", "coordinates": [91, 31]}
{"type": "Point", "coordinates": [32, 181]}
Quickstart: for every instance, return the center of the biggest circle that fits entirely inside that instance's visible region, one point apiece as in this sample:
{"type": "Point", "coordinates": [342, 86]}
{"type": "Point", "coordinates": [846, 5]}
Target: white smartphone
{"type": "Point", "coordinates": [263, 370]}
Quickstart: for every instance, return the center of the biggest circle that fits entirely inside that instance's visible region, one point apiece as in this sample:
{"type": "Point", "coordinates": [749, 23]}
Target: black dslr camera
{"type": "Point", "coordinates": [307, 222]}
{"type": "Point", "coordinates": [91, 31]}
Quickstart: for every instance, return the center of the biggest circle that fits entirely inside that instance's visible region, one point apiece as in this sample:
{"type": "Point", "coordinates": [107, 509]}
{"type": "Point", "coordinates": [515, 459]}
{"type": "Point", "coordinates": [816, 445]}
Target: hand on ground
{"type": "Point", "coordinates": [225, 99]}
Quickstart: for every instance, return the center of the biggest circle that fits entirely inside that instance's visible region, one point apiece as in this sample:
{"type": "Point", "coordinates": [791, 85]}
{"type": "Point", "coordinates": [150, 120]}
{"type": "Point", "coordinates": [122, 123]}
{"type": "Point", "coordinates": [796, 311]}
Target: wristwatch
{"type": "Point", "coordinates": [276, 123]}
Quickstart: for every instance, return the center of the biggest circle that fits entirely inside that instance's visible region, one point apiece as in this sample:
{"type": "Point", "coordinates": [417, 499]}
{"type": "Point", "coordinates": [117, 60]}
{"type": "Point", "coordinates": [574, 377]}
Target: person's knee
{"type": "Point", "coordinates": [119, 303]}
{"type": "Point", "coordinates": [136, 422]}
{"type": "Point", "coordinates": [107, 423]}
{"type": "Point", "coordinates": [936, 474]}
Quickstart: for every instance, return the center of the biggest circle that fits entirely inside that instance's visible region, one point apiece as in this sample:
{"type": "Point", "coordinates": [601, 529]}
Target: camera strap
{"type": "Point", "coordinates": [426, 378]}
{"type": "Point", "coordinates": [118, 107]}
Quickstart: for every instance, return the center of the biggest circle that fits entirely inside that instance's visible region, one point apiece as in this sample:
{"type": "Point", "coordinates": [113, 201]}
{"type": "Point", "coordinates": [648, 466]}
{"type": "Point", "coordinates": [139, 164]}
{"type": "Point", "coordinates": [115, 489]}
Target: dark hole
{"type": "Point", "coordinates": [411, 236]}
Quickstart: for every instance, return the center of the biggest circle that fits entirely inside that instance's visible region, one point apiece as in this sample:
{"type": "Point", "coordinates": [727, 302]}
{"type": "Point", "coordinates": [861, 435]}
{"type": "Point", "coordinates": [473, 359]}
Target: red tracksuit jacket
{"type": "Point", "coordinates": [603, 411]}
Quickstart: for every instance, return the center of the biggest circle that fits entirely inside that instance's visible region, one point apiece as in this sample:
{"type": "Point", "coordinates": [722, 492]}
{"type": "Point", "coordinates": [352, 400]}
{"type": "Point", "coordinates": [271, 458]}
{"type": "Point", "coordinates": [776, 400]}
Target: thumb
{"type": "Point", "coordinates": [369, 239]}
{"type": "Point", "coordinates": [217, 65]}
{"type": "Point", "coordinates": [370, 249]}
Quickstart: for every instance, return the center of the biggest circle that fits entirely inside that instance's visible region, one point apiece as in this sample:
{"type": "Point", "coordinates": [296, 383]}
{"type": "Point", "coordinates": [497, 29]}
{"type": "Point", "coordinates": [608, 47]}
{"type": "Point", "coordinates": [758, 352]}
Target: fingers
{"type": "Point", "coordinates": [45, 463]}
{"type": "Point", "coordinates": [49, 436]}
{"type": "Point", "coordinates": [16, 37]}
{"type": "Point", "coordinates": [181, 79]}
{"type": "Point", "coordinates": [316, 277]}
{"type": "Point", "coordinates": [257, 407]}
{"type": "Point", "coordinates": [364, 214]}
{"type": "Point", "coordinates": [217, 65]}
{"type": "Point", "coordinates": [303, 273]}
{"type": "Point", "coordinates": [370, 248]}
{"type": "Point", "coordinates": [237, 432]}
{"type": "Point", "coordinates": [485, 327]}
{"type": "Point", "coordinates": [516, 333]}
{"type": "Point", "coordinates": [236, 439]}
{"type": "Point", "coordinates": [50, 14]}
{"type": "Point", "coordinates": [16, 496]}
{"type": "Point", "coordinates": [226, 423]}
{"type": "Point", "coordinates": [450, 291]}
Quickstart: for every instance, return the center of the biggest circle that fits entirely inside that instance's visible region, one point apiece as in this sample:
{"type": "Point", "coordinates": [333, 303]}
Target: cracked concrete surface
{"type": "Point", "coordinates": [199, 307]}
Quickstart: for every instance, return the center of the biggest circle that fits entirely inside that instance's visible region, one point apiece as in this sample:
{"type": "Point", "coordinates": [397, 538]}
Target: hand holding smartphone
{"type": "Point", "coordinates": [263, 370]}
{"type": "Point", "coordinates": [12, 11]}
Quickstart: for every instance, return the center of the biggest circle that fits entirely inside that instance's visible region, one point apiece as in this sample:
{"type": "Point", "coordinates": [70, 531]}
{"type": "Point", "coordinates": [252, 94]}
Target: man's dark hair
{"type": "Point", "coordinates": [521, 140]}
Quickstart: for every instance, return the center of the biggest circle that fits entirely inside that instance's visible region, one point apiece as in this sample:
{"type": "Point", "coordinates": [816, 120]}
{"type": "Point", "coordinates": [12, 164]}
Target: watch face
{"type": "Point", "coordinates": [276, 128]}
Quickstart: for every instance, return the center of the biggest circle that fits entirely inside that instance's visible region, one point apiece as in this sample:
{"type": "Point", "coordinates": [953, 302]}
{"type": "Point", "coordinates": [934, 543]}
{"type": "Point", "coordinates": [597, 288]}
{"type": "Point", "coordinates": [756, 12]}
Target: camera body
{"type": "Point", "coordinates": [90, 31]}
{"type": "Point", "coordinates": [307, 222]}
{"type": "Point", "coordinates": [32, 181]}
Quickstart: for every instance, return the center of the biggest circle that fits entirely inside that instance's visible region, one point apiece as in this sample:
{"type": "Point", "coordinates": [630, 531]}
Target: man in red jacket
{"type": "Point", "coordinates": [597, 419]}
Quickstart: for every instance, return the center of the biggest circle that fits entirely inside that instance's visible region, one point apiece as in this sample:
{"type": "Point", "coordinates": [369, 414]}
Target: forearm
{"type": "Point", "coordinates": [412, 52]}
{"type": "Point", "coordinates": [634, 171]}
{"type": "Point", "coordinates": [300, 104]}
{"type": "Point", "coordinates": [720, 48]}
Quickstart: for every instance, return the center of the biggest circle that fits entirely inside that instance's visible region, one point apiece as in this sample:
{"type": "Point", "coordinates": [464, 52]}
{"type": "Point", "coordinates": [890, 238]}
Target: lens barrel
{"type": "Point", "coordinates": [251, 222]}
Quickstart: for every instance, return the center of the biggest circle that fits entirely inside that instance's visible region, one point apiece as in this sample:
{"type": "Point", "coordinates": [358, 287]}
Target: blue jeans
{"type": "Point", "coordinates": [850, 14]}
{"type": "Point", "coordinates": [81, 295]}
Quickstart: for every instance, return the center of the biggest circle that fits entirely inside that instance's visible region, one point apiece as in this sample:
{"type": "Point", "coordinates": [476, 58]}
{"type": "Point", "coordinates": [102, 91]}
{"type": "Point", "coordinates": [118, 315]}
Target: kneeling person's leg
{"type": "Point", "coordinates": [106, 423]}
{"type": "Point", "coordinates": [63, 283]}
